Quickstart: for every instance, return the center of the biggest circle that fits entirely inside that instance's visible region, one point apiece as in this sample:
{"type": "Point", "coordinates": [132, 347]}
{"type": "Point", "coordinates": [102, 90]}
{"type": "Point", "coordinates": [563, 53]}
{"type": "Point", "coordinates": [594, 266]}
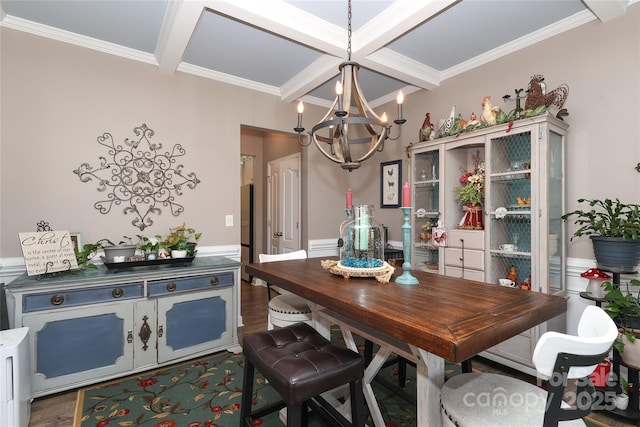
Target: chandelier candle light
{"type": "Point", "coordinates": [366, 126]}
{"type": "Point", "coordinates": [406, 278]}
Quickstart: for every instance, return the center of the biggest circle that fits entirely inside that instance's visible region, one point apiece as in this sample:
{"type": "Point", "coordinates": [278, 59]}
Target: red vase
{"type": "Point", "coordinates": [472, 217]}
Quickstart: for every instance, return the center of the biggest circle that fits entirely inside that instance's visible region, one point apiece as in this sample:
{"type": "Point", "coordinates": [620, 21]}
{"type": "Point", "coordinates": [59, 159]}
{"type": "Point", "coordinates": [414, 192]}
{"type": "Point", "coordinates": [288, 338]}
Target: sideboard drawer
{"type": "Point", "coordinates": [80, 297]}
{"type": "Point", "coordinates": [472, 259]}
{"type": "Point", "coordinates": [186, 284]}
{"type": "Point", "coordinates": [469, 239]}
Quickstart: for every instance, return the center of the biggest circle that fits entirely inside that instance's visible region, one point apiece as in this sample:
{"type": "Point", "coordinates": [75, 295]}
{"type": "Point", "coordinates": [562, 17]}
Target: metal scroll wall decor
{"type": "Point", "coordinates": [139, 176]}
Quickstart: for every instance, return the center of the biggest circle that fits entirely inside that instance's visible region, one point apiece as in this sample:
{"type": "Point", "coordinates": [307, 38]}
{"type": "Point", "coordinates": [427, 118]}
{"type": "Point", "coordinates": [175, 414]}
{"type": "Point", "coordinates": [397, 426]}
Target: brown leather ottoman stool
{"type": "Point", "coordinates": [300, 364]}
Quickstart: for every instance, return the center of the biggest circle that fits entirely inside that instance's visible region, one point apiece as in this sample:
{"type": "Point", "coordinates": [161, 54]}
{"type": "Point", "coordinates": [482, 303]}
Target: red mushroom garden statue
{"type": "Point", "coordinates": [596, 277]}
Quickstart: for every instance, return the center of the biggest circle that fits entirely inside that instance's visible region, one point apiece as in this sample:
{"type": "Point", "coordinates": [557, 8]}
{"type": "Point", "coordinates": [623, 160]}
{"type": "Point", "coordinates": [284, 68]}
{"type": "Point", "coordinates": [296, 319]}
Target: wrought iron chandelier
{"type": "Point", "coordinates": [356, 132]}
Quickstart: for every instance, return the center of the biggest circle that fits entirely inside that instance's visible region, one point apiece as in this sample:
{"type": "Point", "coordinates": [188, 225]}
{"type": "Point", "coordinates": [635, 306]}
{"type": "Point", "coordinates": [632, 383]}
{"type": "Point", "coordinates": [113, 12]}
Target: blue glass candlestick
{"type": "Point", "coordinates": [406, 278]}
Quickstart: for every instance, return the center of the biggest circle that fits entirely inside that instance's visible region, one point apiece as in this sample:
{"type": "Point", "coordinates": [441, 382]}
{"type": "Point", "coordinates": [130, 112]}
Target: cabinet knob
{"type": "Point", "coordinates": [57, 299]}
{"type": "Point", "coordinates": [160, 331]}
{"type": "Point", "coordinates": [171, 286]}
{"type": "Point", "coordinates": [214, 281]}
{"type": "Point", "coordinates": [129, 337]}
{"type": "Point", "coordinates": [117, 292]}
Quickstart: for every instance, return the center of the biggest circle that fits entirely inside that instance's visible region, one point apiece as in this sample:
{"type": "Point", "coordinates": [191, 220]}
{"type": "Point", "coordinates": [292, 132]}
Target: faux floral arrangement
{"type": "Point", "coordinates": [472, 188]}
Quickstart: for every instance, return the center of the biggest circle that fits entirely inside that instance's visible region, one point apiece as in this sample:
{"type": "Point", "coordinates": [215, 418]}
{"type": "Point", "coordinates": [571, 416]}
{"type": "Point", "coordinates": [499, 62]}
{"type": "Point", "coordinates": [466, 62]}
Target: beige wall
{"type": "Point", "coordinates": [57, 99]}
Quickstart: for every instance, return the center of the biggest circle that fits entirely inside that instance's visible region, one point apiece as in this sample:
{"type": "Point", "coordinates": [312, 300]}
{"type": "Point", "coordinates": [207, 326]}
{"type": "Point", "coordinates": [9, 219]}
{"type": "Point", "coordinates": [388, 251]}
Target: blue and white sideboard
{"type": "Point", "coordinates": [87, 326]}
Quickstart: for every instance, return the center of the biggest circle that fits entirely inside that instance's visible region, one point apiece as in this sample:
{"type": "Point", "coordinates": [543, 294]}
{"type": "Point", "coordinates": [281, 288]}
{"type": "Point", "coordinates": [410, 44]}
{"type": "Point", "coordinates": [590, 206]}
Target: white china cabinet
{"type": "Point", "coordinates": [523, 232]}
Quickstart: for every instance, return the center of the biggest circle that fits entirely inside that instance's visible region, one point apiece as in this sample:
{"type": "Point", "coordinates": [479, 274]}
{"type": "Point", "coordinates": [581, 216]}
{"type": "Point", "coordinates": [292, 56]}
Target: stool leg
{"type": "Point", "coordinates": [294, 416]}
{"type": "Point", "coordinates": [357, 403]}
{"type": "Point", "coordinates": [402, 371]}
{"type": "Point", "coordinates": [368, 352]}
{"type": "Point", "coordinates": [247, 394]}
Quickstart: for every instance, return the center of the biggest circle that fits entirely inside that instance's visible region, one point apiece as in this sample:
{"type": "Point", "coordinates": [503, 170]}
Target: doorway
{"type": "Point", "coordinates": [247, 217]}
{"type": "Point", "coordinates": [283, 204]}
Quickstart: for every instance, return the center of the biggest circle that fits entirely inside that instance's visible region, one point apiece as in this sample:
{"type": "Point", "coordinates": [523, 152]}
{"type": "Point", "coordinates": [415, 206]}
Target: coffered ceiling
{"type": "Point", "coordinates": [292, 49]}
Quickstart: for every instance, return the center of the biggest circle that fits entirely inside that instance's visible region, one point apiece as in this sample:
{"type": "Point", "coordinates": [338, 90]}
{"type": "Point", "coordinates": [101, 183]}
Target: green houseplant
{"type": "Point", "coordinates": [623, 306]}
{"type": "Point", "coordinates": [181, 238]}
{"type": "Point", "coordinates": [613, 228]}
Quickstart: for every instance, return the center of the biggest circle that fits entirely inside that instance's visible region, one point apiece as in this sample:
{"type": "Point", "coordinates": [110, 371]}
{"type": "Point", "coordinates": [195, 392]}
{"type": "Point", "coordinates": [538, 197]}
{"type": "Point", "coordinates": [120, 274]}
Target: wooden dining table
{"type": "Point", "coordinates": [440, 318]}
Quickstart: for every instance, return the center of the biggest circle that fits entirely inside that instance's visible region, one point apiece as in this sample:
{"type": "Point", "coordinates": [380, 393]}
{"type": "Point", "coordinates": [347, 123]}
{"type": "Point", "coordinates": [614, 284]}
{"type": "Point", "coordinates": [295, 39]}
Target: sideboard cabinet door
{"type": "Point", "coordinates": [194, 323]}
{"type": "Point", "coordinates": [73, 347]}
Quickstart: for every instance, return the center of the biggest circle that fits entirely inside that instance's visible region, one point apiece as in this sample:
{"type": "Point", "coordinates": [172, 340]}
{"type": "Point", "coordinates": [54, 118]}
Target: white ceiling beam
{"type": "Point", "coordinates": [282, 19]}
{"type": "Point", "coordinates": [607, 10]}
{"type": "Point", "coordinates": [393, 22]}
{"type": "Point", "coordinates": [180, 21]}
{"type": "Point", "coordinates": [400, 67]}
{"type": "Point", "coordinates": [314, 75]}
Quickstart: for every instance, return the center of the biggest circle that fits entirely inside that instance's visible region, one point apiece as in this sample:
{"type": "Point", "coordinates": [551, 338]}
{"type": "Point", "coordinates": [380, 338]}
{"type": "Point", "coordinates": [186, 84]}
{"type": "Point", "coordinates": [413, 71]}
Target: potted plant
{"type": "Point", "coordinates": [613, 227]}
{"type": "Point", "coordinates": [470, 194]}
{"type": "Point", "coordinates": [181, 238]}
{"type": "Point", "coordinates": [623, 305]}
{"type": "Point", "coordinates": [123, 251]}
{"type": "Point", "coordinates": [149, 247]}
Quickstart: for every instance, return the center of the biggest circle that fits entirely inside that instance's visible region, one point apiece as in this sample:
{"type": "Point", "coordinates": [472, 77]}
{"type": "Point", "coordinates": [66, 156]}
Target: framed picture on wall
{"type": "Point", "coordinates": [76, 239]}
{"type": "Point", "coordinates": [390, 184]}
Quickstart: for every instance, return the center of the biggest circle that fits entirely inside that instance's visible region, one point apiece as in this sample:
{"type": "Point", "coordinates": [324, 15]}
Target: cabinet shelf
{"type": "Point", "coordinates": [510, 254]}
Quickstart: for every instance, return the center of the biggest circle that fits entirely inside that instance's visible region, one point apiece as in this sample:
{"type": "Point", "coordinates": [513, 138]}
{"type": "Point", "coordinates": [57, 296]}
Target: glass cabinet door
{"type": "Point", "coordinates": [555, 227]}
{"type": "Point", "coordinates": [426, 208]}
{"type": "Point", "coordinates": [510, 202]}
{"type": "Point", "coordinates": [525, 204]}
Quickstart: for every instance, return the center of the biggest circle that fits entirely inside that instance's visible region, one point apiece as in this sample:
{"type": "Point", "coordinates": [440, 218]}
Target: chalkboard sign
{"type": "Point", "coordinates": [47, 252]}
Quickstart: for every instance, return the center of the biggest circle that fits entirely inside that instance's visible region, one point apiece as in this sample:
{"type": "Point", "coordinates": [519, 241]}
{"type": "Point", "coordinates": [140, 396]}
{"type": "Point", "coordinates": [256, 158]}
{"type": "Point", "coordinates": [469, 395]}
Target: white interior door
{"type": "Point", "coordinates": [283, 200]}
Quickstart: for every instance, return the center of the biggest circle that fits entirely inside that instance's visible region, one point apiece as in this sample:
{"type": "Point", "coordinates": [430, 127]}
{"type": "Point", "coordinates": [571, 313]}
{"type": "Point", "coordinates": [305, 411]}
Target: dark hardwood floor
{"type": "Point", "coordinates": [58, 410]}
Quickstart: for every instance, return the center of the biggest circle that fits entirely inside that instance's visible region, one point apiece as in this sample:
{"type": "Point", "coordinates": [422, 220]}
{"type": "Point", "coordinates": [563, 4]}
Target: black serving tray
{"type": "Point", "coordinates": [129, 264]}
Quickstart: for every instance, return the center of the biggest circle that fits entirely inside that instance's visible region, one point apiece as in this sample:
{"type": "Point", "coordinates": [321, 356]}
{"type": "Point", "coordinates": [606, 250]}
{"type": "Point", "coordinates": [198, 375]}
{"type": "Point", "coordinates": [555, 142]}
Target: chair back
{"type": "Point", "coordinates": [559, 357]}
{"type": "Point", "coordinates": [301, 254]}
{"type": "Point", "coordinates": [596, 334]}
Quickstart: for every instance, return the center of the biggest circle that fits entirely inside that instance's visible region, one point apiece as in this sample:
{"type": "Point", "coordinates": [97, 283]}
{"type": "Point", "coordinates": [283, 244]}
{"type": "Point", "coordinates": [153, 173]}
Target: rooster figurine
{"type": "Point", "coordinates": [426, 129]}
{"type": "Point", "coordinates": [536, 96]}
{"type": "Point", "coordinates": [489, 113]}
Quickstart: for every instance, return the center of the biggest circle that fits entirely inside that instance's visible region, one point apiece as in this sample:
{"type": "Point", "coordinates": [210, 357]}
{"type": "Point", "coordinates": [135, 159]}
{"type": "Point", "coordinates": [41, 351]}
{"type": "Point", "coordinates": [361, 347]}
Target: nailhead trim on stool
{"type": "Point", "coordinates": [300, 364]}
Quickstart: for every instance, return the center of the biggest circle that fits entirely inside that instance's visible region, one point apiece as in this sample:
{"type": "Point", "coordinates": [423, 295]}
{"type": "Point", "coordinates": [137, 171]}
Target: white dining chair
{"type": "Point", "coordinates": [285, 308]}
{"type": "Point", "coordinates": [485, 399]}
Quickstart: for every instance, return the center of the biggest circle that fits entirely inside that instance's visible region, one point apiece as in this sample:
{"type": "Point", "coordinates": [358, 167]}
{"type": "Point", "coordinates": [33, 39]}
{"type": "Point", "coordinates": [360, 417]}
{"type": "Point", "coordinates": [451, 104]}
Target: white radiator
{"type": "Point", "coordinates": [15, 386]}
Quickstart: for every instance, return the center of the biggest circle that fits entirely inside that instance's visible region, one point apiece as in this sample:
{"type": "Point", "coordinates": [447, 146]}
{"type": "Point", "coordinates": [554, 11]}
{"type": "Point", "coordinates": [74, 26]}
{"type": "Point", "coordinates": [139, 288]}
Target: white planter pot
{"type": "Point", "coordinates": [178, 253]}
{"type": "Point", "coordinates": [125, 251]}
{"type": "Point", "coordinates": [631, 353]}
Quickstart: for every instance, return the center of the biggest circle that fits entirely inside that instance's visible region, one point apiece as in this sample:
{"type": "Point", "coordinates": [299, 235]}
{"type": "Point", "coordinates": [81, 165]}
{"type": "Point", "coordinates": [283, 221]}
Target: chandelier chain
{"type": "Point", "coordinates": [349, 32]}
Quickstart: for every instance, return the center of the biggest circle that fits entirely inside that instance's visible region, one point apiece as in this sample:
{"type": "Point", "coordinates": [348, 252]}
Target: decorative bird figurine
{"type": "Point", "coordinates": [473, 120]}
{"type": "Point", "coordinates": [523, 202]}
{"type": "Point", "coordinates": [489, 113]}
{"type": "Point", "coordinates": [536, 96]}
{"type": "Point", "coordinates": [426, 129]}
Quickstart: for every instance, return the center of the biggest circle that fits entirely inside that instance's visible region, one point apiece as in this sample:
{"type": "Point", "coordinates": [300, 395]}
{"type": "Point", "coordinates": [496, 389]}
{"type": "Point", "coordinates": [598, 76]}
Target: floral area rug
{"type": "Point", "coordinates": [206, 392]}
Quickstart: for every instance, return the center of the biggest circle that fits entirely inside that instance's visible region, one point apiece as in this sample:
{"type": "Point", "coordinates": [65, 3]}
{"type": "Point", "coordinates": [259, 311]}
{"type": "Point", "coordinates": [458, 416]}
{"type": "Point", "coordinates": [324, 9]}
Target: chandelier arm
{"type": "Point", "coordinates": [374, 147]}
{"type": "Point", "coordinates": [343, 142]}
{"type": "Point", "coordinates": [363, 100]}
{"type": "Point", "coordinates": [324, 152]}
